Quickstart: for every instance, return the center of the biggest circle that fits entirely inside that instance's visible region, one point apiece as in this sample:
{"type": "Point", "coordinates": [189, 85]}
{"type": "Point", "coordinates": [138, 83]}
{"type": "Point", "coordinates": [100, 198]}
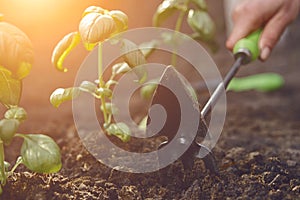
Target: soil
{"type": "Point", "coordinates": [258, 153]}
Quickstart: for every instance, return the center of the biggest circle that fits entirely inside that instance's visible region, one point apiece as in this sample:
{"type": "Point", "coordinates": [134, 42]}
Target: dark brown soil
{"type": "Point", "coordinates": [258, 152]}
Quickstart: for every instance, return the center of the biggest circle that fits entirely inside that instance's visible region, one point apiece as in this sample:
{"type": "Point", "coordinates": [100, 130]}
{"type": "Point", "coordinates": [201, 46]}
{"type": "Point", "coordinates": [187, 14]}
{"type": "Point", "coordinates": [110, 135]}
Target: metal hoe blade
{"type": "Point", "coordinates": [165, 97]}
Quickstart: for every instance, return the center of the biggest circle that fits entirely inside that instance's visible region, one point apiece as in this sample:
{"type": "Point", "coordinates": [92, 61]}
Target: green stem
{"type": "Point", "coordinates": [2, 167]}
{"type": "Point", "coordinates": [100, 67]}
{"type": "Point", "coordinates": [18, 162]}
{"type": "Point", "coordinates": [177, 29]}
{"type": "Point", "coordinates": [100, 78]}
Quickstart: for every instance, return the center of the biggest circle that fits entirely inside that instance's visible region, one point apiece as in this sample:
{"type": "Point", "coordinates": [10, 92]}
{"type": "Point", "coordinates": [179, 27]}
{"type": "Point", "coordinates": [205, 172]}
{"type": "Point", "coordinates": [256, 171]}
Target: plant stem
{"type": "Point", "coordinates": [100, 78]}
{"type": "Point", "coordinates": [2, 167]}
{"type": "Point", "coordinates": [177, 29]}
{"type": "Point", "coordinates": [18, 162]}
{"type": "Point", "coordinates": [100, 64]}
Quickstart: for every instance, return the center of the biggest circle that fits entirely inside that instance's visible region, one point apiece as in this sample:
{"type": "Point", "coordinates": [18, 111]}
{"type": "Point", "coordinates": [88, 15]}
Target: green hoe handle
{"type": "Point", "coordinates": [264, 82]}
{"type": "Point", "coordinates": [249, 45]}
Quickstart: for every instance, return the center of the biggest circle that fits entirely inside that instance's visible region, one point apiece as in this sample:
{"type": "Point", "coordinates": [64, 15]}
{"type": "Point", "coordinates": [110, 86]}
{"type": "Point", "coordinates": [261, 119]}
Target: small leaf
{"type": "Point", "coordinates": [132, 54]}
{"type": "Point", "coordinates": [88, 86]}
{"type": "Point", "coordinates": [93, 9]}
{"type": "Point", "coordinates": [120, 19]}
{"type": "Point", "coordinates": [17, 113]}
{"type": "Point", "coordinates": [166, 9]}
{"type": "Point", "coordinates": [134, 57]}
{"type": "Point", "coordinates": [105, 92]}
{"type": "Point", "coordinates": [120, 130]}
{"type": "Point", "coordinates": [8, 128]}
{"type": "Point", "coordinates": [110, 83]}
{"type": "Point", "coordinates": [148, 47]}
{"type": "Point", "coordinates": [15, 50]}
{"type": "Point", "coordinates": [120, 68]}
{"type": "Point", "coordinates": [110, 108]}
{"type": "Point", "coordinates": [201, 23]}
{"type": "Point", "coordinates": [63, 48]}
{"type": "Point", "coordinates": [10, 88]}
{"type": "Point", "coordinates": [201, 4]}
{"type": "Point", "coordinates": [143, 123]}
{"type": "Point", "coordinates": [148, 89]}
{"type": "Point", "coordinates": [61, 95]}
{"type": "Point", "coordinates": [95, 27]}
{"type": "Point", "coordinates": [40, 153]}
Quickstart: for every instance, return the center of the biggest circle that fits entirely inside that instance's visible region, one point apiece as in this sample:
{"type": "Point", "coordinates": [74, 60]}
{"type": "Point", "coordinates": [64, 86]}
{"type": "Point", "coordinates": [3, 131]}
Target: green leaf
{"type": "Point", "coordinates": [132, 54]}
{"type": "Point", "coordinates": [148, 89]}
{"type": "Point", "coordinates": [17, 113]}
{"type": "Point", "coordinates": [63, 48]}
{"type": "Point", "coordinates": [110, 83]}
{"type": "Point", "coordinates": [120, 68]}
{"type": "Point", "coordinates": [120, 130]}
{"type": "Point", "coordinates": [166, 9]}
{"type": "Point", "coordinates": [16, 50]}
{"type": "Point", "coordinates": [105, 92]}
{"type": "Point", "coordinates": [120, 19]}
{"type": "Point", "coordinates": [148, 47]}
{"type": "Point", "coordinates": [40, 153]}
{"type": "Point", "coordinates": [264, 82]}
{"type": "Point", "coordinates": [201, 23]}
{"type": "Point", "coordinates": [95, 27]}
{"type": "Point", "coordinates": [201, 4]}
{"type": "Point", "coordinates": [143, 123]}
{"type": "Point", "coordinates": [8, 128]}
{"type": "Point", "coordinates": [10, 88]}
{"type": "Point", "coordinates": [88, 86]}
{"type": "Point", "coordinates": [135, 59]}
{"type": "Point", "coordinates": [61, 95]}
{"type": "Point", "coordinates": [93, 9]}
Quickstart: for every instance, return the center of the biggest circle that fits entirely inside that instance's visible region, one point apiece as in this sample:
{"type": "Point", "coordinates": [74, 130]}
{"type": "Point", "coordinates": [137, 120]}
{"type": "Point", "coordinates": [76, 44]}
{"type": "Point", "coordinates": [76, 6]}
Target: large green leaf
{"type": "Point", "coordinates": [16, 50]}
{"type": "Point", "coordinates": [202, 24]}
{"type": "Point", "coordinates": [10, 88]}
{"type": "Point", "coordinates": [40, 153]}
{"type": "Point", "coordinates": [95, 27]}
{"type": "Point", "coordinates": [166, 9]}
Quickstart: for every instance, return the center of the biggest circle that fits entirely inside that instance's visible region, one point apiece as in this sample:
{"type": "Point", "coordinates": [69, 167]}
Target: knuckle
{"type": "Point", "coordinates": [240, 10]}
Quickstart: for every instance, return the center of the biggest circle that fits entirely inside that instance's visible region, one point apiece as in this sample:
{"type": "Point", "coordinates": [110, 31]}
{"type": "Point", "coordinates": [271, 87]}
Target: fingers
{"type": "Point", "coordinates": [245, 20]}
{"type": "Point", "coordinates": [273, 31]}
{"type": "Point", "coordinates": [273, 15]}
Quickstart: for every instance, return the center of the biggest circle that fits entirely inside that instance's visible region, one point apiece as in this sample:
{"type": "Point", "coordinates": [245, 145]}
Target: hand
{"type": "Point", "coordinates": [273, 15]}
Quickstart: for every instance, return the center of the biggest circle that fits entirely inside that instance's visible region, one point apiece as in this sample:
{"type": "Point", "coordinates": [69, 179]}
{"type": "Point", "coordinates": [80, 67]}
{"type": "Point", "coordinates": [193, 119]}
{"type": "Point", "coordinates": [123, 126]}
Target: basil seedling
{"type": "Point", "coordinates": [39, 153]}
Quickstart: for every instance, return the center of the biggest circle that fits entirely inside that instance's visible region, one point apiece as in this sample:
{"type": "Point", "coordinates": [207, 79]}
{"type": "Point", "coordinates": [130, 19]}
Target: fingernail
{"type": "Point", "coordinates": [265, 53]}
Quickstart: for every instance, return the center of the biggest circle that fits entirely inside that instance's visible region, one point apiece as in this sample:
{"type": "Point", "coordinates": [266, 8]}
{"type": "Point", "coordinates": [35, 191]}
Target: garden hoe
{"type": "Point", "coordinates": [245, 51]}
